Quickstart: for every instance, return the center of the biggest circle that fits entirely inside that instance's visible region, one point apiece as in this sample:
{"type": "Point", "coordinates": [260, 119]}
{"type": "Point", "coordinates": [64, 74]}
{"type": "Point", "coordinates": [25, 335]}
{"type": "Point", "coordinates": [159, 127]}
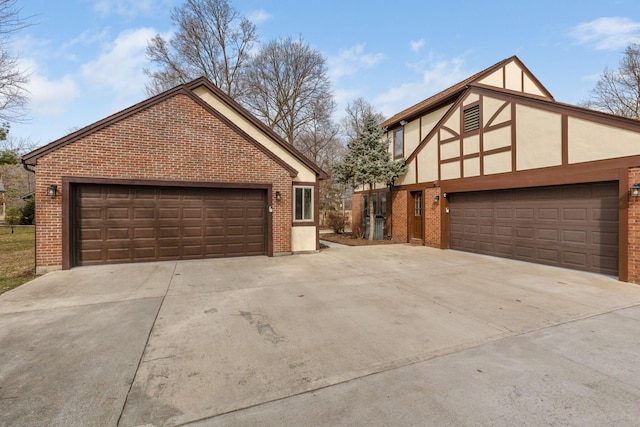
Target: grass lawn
{"type": "Point", "coordinates": [17, 256]}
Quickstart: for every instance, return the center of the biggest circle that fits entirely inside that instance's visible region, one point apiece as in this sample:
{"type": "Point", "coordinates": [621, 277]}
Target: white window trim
{"type": "Point", "coordinates": [303, 187]}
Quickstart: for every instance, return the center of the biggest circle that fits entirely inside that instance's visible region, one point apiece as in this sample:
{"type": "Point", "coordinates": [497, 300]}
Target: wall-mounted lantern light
{"type": "Point", "coordinates": [634, 191]}
{"type": "Point", "coordinates": [278, 195]}
{"type": "Point", "coordinates": [52, 190]}
{"type": "Point", "coordinates": [436, 199]}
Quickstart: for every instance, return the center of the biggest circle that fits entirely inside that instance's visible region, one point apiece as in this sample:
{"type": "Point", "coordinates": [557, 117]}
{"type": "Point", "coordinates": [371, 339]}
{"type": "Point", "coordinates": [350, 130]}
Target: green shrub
{"type": "Point", "coordinates": [28, 212]}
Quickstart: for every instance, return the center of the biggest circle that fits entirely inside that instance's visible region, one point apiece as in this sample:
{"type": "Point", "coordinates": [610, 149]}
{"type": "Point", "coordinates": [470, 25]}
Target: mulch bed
{"type": "Point", "coordinates": [350, 240]}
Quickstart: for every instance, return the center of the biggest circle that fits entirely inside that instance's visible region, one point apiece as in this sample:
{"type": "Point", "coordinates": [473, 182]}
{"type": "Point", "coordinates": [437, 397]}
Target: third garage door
{"type": "Point", "coordinates": [571, 226]}
{"type": "Point", "coordinates": [132, 223]}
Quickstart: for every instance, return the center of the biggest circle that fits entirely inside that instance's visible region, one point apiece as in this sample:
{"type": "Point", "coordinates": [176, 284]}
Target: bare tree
{"type": "Point", "coordinates": [212, 40]}
{"type": "Point", "coordinates": [357, 112]}
{"type": "Point", "coordinates": [618, 91]}
{"type": "Point", "coordinates": [319, 137]}
{"type": "Point", "coordinates": [287, 81]}
{"type": "Point", "coordinates": [13, 80]}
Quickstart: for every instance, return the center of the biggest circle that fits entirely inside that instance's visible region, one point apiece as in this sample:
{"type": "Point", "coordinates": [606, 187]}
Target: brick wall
{"type": "Point", "coordinates": [400, 233]}
{"type": "Point", "coordinates": [173, 140]}
{"type": "Point", "coordinates": [432, 220]}
{"type": "Point", "coordinates": [634, 230]}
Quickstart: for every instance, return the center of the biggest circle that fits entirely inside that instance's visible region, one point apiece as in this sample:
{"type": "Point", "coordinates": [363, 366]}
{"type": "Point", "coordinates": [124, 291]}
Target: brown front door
{"type": "Point", "coordinates": [416, 223]}
{"type": "Point", "coordinates": [129, 223]}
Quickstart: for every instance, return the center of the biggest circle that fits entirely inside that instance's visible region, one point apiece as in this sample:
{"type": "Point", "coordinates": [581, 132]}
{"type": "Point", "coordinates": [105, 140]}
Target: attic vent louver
{"type": "Point", "coordinates": [472, 118]}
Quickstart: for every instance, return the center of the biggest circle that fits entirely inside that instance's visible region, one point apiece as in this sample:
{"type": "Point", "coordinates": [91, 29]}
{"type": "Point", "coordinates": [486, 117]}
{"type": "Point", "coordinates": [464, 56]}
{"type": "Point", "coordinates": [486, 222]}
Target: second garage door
{"type": "Point", "coordinates": [128, 223]}
{"type": "Point", "coordinates": [572, 226]}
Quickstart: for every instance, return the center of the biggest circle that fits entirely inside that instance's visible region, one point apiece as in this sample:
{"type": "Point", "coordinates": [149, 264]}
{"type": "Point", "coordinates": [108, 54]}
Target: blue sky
{"type": "Point", "coordinates": [86, 57]}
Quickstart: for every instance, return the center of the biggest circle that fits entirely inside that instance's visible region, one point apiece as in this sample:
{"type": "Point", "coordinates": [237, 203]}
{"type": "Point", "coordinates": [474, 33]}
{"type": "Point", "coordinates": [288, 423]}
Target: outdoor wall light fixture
{"type": "Point", "coordinates": [634, 191]}
{"type": "Point", "coordinates": [278, 195]}
{"type": "Point", "coordinates": [436, 199]}
{"type": "Point", "coordinates": [403, 122]}
{"type": "Point", "coordinates": [52, 190]}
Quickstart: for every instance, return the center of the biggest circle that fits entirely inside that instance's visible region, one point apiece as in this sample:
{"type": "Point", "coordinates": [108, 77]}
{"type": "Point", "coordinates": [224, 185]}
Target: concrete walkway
{"type": "Point", "coordinates": [378, 335]}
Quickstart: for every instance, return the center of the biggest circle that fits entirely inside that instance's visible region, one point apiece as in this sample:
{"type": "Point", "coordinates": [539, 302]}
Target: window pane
{"type": "Point", "coordinates": [365, 207]}
{"type": "Point", "coordinates": [398, 140]}
{"type": "Point", "coordinates": [308, 203]}
{"type": "Point", "coordinates": [298, 203]}
{"type": "Point", "coordinates": [375, 204]}
{"type": "Point", "coordinates": [383, 203]}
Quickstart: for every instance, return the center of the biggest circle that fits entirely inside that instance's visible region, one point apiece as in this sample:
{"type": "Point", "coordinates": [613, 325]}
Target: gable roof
{"type": "Point", "coordinates": [454, 91]}
{"type": "Point", "coordinates": [30, 159]}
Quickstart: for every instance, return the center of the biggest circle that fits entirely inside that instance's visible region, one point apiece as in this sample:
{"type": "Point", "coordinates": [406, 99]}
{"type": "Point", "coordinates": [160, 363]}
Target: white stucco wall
{"type": "Point", "coordinates": [303, 239]}
{"type": "Point", "coordinates": [538, 138]}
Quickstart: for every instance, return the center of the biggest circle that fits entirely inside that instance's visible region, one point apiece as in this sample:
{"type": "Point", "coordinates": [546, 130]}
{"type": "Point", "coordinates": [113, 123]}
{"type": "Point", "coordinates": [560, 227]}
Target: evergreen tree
{"type": "Point", "coordinates": [369, 162]}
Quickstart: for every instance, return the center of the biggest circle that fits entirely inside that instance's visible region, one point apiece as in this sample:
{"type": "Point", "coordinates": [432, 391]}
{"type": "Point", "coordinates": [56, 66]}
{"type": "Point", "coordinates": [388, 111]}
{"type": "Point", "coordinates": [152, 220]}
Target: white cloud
{"type": "Point", "coordinates": [416, 45]}
{"type": "Point", "coordinates": [49, 97]}
{"type": "Point", "coordinates": [608, 33]}
{"type": "Point", "coordinates": [437, 77]}
{"type": "Point", "coordinates": [259, 16]}
{"type": "Point", "coordinates": [128, 8]}
{"type": "Point", "coordinates": [120, 66]}
{"type": "Point", "coordinates": [349, 61]}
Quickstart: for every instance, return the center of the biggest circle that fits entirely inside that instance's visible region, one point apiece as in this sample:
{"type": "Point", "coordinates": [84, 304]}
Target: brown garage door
{"type": "Point", "coordinates": [572, 226]}
{"type": "Point", "coordinates": [118, 223]}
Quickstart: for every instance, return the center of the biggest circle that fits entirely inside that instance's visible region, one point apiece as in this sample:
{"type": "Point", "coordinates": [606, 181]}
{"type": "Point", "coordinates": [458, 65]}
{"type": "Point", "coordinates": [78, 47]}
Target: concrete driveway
{"type": "Point", "coordinates": [378, 335]}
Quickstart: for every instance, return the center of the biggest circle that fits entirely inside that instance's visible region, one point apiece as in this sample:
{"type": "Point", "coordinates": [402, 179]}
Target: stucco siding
{"type": "Point", "coordinates": [430, 120]}
{"type": "Point", "coordinates": [494, 79]}
{"type": "Point", "coordinates": [450, 170]}
{"type": "Point", "coordinates": [497, 163]}
{"type": "Point", "coordinates": [472, 167]}
{"type": "Point", "coordinates": [498, 138]}
{"type": "Point", "coordinates": [531, 87]}
{"type": "Point", "coordinates": [411, 137]}
{"type": "Point", "coordinates": [450, 150]}
{"type": "Point", "coordinates": [428, 162]}
{"type": "Point", "coordinates": [453, 122]}
{"type": "Point", "coordinates": [538, 138]}
{"type": "Point", "coordinates": [303, 239]}
{"type": "Point", "coordinates": [409, 177]}
{"type": "Point", "coordinates": [471, 145]}
{"type": "Point", "coordinates": [513, 77]}
{"type": "Point", "coordinates": [589, 141]}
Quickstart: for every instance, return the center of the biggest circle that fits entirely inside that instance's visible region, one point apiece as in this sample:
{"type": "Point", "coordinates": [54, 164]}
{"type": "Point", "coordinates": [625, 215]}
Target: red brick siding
{"type": "Point", "coordinates": [634, 231]}
{"type": "Point", "coordinates": [400, 232]}
{"type": "Point", "coordinates": [432, 222]}
{"type": "Point", "coordinates": [173, 140]}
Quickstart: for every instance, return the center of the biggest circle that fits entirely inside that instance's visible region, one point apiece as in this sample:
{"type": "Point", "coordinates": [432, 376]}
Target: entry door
{"type": "Point", "coordinates": [417, 215]}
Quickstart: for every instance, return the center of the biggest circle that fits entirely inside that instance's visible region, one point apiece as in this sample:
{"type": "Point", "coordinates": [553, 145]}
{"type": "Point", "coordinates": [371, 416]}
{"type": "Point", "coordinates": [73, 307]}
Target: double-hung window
{"type": "Point", "coordinates": [303, 203]}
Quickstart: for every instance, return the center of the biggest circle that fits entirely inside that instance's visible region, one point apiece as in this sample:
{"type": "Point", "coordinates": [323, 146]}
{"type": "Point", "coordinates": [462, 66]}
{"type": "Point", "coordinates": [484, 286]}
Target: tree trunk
{"type": "Point", "coordinates": [372, 219]}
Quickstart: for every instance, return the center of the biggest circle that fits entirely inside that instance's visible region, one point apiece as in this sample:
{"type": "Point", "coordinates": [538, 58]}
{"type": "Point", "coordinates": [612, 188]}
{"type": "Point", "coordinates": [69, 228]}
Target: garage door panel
{"type": "Point", "coordinates": [138, 223]}
{"type": "Point", "coordinates": [503, 213]}
{"type": "Point", "coordinates": [577, 214]}
{"type": "Point", "coordinates": [504, 248]}
{"type": "Point", "coordinates": [502, 231]}
{"type": "Point", "coordinates": [548, 214]}
{"type": "Point", "coordinates": [549, 234]}
{"type": "Point", "coordinates": [525, 233]}
{"type": "Point", "coordinates": [575, 236]}
{"type": "Point", "coordinates": [574, 226]}
{"type": "Point", "coordinates": [549, 255]}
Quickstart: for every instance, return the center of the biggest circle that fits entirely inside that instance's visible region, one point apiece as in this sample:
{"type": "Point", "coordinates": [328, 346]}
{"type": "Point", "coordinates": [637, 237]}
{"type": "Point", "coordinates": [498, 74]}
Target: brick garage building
{"type": "Point", "coordinates": [498, 167]}
{"type": "Point", "coordinates": [186, 174]}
